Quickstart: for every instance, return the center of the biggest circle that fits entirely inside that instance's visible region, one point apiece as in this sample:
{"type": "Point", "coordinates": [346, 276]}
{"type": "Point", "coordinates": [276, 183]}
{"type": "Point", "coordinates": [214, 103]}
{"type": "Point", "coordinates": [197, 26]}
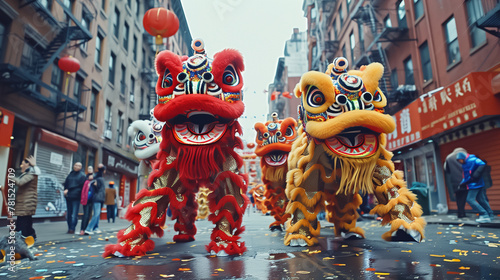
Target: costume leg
{"type": "Point", "coordinates": [147, 215]}
{"type": "Point", "coordinates": [276, 202]}
{"type": "Point", "coordinates": [186, 216]}
{"type": "Point", "coordinates": [397, 205]}
{"type": "Point", "coordinates": [227, 204]}
{"type": "Point", "coordinates": [342, 212]}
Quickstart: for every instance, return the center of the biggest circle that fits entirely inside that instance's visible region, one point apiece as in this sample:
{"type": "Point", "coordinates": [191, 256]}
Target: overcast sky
{"type": "Point", "coordinates": [258, 29]}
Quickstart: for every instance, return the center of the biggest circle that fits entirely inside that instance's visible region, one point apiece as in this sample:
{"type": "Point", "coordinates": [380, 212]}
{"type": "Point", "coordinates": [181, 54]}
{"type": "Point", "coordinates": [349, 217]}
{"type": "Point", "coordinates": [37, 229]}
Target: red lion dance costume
{"type": "Point", "coordinates": [339, 153]}
{"type": "Point", "coordinates": [200, 100]}
{"type": "Point", "coordinates": [274, 142]}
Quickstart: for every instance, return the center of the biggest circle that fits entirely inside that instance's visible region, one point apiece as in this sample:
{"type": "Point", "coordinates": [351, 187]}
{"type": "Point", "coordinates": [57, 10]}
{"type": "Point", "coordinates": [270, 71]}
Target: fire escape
{"type": "Point", "coordinates": [375, 52]}
{"type": "Point", "coordinates": [27, 77]}
{"type": "Point", "coordinates": [490, 21]}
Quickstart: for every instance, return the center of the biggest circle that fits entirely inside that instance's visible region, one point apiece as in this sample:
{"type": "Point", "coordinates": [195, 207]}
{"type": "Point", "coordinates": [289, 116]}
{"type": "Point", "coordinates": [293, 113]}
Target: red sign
{"type": "Point", "coordinates": [407, 130]}
{"type": "Point", "coordinates": [6, 126]}
{"type": "Point", "coordinates": [467, 99]}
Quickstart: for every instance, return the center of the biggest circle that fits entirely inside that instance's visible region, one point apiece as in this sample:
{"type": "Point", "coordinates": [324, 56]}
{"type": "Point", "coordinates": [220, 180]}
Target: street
{"type": "Point", "coordinates": [448, 252]}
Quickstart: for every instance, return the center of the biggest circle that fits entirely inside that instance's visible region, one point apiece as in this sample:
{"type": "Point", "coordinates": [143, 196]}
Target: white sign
{"type": "Point", "coordinates": [56, 158]}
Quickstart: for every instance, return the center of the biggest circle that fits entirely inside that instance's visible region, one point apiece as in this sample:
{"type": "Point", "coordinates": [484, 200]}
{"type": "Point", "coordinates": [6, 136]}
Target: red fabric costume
{"type": "Point", "coordinates": [200, 100]}
{"type": "Point", "coordinates": [274, 142]}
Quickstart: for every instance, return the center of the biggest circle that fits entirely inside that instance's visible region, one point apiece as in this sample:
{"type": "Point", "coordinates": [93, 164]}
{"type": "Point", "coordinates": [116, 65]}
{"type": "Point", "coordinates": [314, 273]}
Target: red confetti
{"type": "Point", "coordinates": [370, 269]}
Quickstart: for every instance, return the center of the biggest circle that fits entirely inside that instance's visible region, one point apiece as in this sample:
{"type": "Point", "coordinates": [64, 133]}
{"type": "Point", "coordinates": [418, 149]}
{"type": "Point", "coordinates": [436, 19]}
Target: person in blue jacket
{"type": "Point", "coordinates": [473, 167]}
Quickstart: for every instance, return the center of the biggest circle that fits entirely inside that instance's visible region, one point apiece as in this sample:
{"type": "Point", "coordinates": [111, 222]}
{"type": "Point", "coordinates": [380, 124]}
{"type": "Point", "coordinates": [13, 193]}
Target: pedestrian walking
{"type": "Point", "coordinates": [473, 168]}
{"type": "Point", "coordinates": [26, 197]}
{"type": "Point", "coordinates": [110, 201]}
{"type": "Point", "coordinates": [97, 201]}
{"type": "Point", "coordinates": [86, 203]}
{"type": "Point", "coordinates": [453, 175]}
{"type": "Point", "coordinates": [72, 191]}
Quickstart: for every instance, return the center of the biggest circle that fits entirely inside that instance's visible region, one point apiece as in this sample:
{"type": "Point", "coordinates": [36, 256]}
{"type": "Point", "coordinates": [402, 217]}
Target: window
{"type": "Point", "coordinates": [123, 85]}
{"type": "Point", "coordinates": [3, 38]}
{"type": "Point", "coordinates": [341, 16]}
{"type": "Point", "coordinates": [452, 49]}
{"type": "Point", "coordinates": [418, 6]}
{"type": "Point", "coordinates": [408, 64]}
{"type": "Point", "coordinates": [143, 59]}
{"type": "Point", "coordinates": [98, 49]}
{"type": "Point", "coordinates": [112, 61]}
{"type": "Point", "coordinates": [91, 157]}
{"type": "Point", "coordinates": [93, 105]}
{"type": "Point", "coordinates": [134, 48]}
{"type": "Point", "coordinates": [125, 36]}
{"type": "Point", "coordinates": [31, 54]}
{"type": "Point", "coordinates": [77, 89]}
{"type": "Point", "coordinates": [137, 8]}
{"type": "Point", "coordinates": [394, 78]}
{"type": "Point", "coordinates": [103, 5]}
{"type": "Point", "coordinates": [361, 38]}
{"type": "Point", "coordinates": [129, 138]}
{"type": "Point", "coordinates": [426, 62]}
{"type": "Point", "coordinates": [86, 20]}
{"type": "Point", "coordinates": [141, 110]}
{"type": "Point", "coordinates": [387, 21]}
{"type": "Point", "coordinates": [402, 15]}
{"type": "Point", "coordinates": [132, 88]}
{"type": "Point", "coordinates": [335, 29]}
{"type": "Point", "coordinates": [353, 44]}
{"type": "Point", "coordinates": [46, 3]}
{"type": "Point", "coordinates": [116, 22]}
{"type": "Point", "coordinates": [56, 79]}
{"type": "Point", "coordinates": [107, 118]}
{"type": "Point", "coordinates": [119, 128]}
{"type": "Point", "coordinates": [474, 12]}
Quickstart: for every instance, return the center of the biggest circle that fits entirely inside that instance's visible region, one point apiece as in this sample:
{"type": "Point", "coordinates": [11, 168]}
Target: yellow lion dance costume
{"type": "Point", "coordinates": [339, 153]}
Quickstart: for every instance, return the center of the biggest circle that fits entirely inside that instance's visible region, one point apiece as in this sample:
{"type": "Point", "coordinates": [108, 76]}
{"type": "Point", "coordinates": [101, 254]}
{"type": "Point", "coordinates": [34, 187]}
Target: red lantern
{"type": "Point", "coordinates": [69, 64]}
{"type": "Point", "coordinates": [161, 23]}
{"type": "Point", "coordinates": [251, 145]}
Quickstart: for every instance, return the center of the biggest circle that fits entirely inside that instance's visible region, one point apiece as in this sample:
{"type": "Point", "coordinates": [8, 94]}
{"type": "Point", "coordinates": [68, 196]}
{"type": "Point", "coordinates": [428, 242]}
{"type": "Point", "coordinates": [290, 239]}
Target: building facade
{"type": "Point", "coordinates": [63, 118]}
{"type": "Point", "coordinates": [441, 78]}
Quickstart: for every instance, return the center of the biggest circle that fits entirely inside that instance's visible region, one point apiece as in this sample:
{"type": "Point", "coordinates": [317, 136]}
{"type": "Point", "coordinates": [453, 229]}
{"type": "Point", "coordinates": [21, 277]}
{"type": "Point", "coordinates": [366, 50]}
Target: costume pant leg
{"type": "Point", "coordinates": [227, 204]}
{"type": "Point", "coordinates": [397, 205]}
{"type": "Point", "coordinates": [342, 212]}
{"type": "Point", "coordinates": [186, 217]}
{"type": "Point", "coordinates": [483, 201]}
{"type": "Point", "coordinates": [461, 197]}
{"type": "Point", "coordinates": [472, 197]}
{"type": "Point", "coordinates": [276, 202]}
{"type": "Point", "coordinates": [148, 214]}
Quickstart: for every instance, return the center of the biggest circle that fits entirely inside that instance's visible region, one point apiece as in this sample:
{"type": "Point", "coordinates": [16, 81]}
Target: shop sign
{"type": "Point", "coordinates": [407, 129]}
{"type": "Point", "coordinates": [120, 164]}
{"type": "Point", "coordinates": [467, 99]}
{"type": "Point", "coordinates": [6, 126]}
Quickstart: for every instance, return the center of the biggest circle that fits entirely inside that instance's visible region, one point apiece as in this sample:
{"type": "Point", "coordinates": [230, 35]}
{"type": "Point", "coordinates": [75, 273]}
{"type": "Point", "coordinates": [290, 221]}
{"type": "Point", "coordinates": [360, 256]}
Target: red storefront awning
{"type": "Point", "coordinates": [467, 99]}
{"type": "Point", "coordinates": [57, 140]}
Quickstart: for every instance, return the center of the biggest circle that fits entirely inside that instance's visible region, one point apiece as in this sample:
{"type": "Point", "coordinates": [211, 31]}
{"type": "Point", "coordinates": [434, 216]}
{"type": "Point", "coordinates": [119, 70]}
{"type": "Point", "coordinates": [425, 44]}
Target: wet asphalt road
{"type": "Point", "coordinates": [448, 252]}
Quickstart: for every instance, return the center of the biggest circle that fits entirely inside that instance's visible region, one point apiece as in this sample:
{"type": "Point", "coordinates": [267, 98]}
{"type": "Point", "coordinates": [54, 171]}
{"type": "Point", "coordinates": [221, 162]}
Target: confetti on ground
{"type": "Point", "coordinates": [59, 277]}
{"type": "Point", "coordinates": [415, 263]}
{"type": "Point", "coordinates": [453, 242]}
{"type": "Point", "coordinates": [382, 273]}
{"type": "Point", "coordinates": [78, 264]}
{"type": "Point", "coordinates": [170, 242]}
{"type": "Point", "coordinates": [451, 260]}
{"type": "Point", "coordinates": [343, 246]}
{"type": "Point", "coordinates": [455, 272]}
{"type": "Point", "coordinates": [303, 272]}
{"type": "Point", "coordinates": [176, 260]}
{"type": "Point", "coordinates": [406, 251]}
{"type": "Point", "coordinates": [167, 276]}
{"type": "Point", "coordinates": [314, 252]}
{"type": "Point", "coordinates": [370, 269]}
{"type": "Point", "coordinates": [328, 258]}
{"type": "Point", "coordinates": [71, 262]}
{"type": "Point", "coordinates": [219, 269]}
{"type": "Point", "coordinates": [51, 261]}
{"type": "Point", "coordinates": [464, 268]}
{"type": "Point", "coordinates": [435, 265]}
{"type": "Point", "coordinates": [437, 256]}
{"type": "Point", "coordinates": [339, 264]}
{"type": "Point", "coordinates": [184, 269]}
{"type": "Point", "coordinates": [36, 277]}
{"type": "Point", "coordinates": [41, 270]}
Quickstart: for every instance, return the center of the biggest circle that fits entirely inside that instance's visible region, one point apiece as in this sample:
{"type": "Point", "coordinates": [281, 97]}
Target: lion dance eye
{"type": "Point", "coordinates": [289, 131]}
{"type": "Point", "coordinates": [167, 79]}
{"type": "Point", "coordinates": [230, 77]}
{"type": "Point", "coordinates": [141, 136]}
{"type": "Point", "coordinates": [266, 135]}
{"type": "Point", "coordinates": [315, 98]}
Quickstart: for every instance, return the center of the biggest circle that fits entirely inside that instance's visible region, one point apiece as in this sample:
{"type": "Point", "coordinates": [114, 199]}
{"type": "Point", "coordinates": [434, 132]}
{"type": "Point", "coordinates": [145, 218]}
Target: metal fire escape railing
{"type": "Point", "coordinates": [491, 17]}
{"type": "Point", "coordinates": [375, 52]}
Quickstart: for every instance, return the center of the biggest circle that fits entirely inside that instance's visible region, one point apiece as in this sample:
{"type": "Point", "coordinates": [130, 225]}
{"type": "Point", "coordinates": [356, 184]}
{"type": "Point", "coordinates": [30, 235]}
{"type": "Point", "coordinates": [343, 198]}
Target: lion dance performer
{"type": "Point", "coordinates": [340, 152]}
{"type": "Point", "coordinates": [200, 100]}
{"type": "Point", "coordinates": [274, 141]}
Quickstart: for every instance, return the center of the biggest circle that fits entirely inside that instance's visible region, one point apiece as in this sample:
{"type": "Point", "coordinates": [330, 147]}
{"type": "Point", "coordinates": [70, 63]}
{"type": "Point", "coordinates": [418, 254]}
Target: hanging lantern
{"type": "Point", "coordinates": [251, 145]}
{"type": "Point", "coordinates": [161, 23]}
{"type": "Point", "coordinates": [69, 64]}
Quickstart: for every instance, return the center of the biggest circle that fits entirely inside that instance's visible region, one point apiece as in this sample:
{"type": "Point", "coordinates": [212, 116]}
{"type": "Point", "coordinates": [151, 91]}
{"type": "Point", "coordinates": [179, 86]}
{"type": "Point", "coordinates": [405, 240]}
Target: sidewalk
{"type": "Point", "coordinates": [50, 231]}
{"type": "Point", "coordinates": [454, 220]}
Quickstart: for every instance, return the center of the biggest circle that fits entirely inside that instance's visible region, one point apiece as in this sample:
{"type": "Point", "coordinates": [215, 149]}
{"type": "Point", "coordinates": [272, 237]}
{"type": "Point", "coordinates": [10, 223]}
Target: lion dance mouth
{"type": "Point", "coordinates": [200, 100]}
{"type": "Point", "coordinates": [341, 152]}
